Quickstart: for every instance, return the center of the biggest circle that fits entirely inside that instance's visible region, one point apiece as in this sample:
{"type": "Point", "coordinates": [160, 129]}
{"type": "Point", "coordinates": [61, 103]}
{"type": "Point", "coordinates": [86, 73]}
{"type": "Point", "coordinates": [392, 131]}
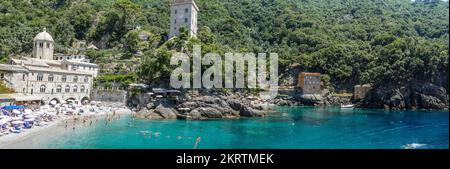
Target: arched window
{"type": "Point", "coordinates": [86, 79]}
{"type": "Point", "coordinates": [67, 90]}
{"type": "Point", "coordinates": [50, 78]}
{"type": "Point", "coordinates": [75, 79]}
{"type": "Point", "coordinates": [64, 78]}
{"type": "Point", "coordinates": [75, 88]}
{"type": "Point", "coordinates": [58, 89]}
{"type": "Point", "coordinates": [42, 89]}
{"type": "Point", "coordinates": [40, 77]}
{"type": "Point", "coordinates": [82, 89]}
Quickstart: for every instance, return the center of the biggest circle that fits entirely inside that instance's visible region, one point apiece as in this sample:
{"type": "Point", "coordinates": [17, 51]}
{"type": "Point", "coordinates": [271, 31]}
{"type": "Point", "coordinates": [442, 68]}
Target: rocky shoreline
{"type": "Point", "coordinates": [415, 95]}
{"type": "Point", "coordinates": [217, 105]}
{"type": "Point", "coordinates": [204, 107]}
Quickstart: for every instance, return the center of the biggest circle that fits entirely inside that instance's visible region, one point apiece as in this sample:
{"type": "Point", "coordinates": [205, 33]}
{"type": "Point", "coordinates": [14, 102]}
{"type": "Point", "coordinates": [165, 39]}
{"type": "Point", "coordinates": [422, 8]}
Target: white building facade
{"type": "Point", "coordinates": [183, 13]}
{"type": "Point", "coordinates": [41, 76]}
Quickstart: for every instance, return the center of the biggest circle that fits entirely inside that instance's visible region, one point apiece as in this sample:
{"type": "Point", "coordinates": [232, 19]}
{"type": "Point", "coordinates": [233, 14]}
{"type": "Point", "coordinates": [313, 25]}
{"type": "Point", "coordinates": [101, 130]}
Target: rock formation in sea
{"type": "Point", "coordinates": [204, 107]}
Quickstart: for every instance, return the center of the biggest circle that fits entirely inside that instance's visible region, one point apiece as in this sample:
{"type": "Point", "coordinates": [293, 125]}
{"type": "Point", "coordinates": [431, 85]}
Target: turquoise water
{"type": "Point", "coordinates": [289, 127]}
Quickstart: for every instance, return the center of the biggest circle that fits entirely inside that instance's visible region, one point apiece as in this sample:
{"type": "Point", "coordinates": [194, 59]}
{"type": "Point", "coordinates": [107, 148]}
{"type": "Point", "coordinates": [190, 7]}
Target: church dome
{"type": "Point", "coordinates": [43, 36]}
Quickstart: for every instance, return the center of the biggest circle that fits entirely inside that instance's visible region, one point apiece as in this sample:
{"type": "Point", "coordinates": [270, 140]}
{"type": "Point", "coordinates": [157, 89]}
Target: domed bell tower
{"type": "Point", "coordinates": [43, 46]}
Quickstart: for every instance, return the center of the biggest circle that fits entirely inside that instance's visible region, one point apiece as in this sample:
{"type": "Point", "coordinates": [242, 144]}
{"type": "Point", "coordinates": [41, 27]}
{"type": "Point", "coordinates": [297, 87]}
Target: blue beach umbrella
{"type": "Point", "coordinates": [12, 107]}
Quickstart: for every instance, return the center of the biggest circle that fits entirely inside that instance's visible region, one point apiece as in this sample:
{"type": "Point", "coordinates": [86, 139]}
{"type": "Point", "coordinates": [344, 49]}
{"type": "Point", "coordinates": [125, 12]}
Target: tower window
{"type": "Point", "coordinates": [48, 45]}
{"type": "Point", "coordinates": [176, 11]}
{"type": "Point", "coordinates": [41, 45]}
{"type": "Point", "coordinates": [175, 21]}
{"type": "Point", "coordinates": [50, 78]}
{"type": "Point", "coordinates": [185, 20]}
{"type": "Point", "coordinates": [40, 77]}
{"type": "Point", "coordinates": [186, 10]}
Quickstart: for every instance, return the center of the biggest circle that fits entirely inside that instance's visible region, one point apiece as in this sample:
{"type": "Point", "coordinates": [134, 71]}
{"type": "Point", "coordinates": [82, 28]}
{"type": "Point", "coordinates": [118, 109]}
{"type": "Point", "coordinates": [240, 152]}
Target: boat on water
{"type": "Point", "coordinates": [347, 106]}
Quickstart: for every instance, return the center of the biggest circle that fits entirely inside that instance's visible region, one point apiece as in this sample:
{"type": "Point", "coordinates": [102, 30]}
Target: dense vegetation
{"type": "Point", "coordinates": [352, 41]}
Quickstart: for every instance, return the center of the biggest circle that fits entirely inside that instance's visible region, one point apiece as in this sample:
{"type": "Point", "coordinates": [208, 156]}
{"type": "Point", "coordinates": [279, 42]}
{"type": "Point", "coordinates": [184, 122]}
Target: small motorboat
{"type": "Point", "coordinates": [347, 106]}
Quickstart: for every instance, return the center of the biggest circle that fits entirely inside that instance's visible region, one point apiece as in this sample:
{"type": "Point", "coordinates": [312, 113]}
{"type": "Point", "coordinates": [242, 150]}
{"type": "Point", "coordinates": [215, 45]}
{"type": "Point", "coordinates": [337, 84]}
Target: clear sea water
{"type": "Point", "coordinates": [288, 128]}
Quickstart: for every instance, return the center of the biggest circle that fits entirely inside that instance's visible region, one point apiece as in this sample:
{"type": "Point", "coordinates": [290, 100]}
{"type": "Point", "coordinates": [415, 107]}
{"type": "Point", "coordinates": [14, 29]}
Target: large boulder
{"type": "Point", "coordinates": [195, 115]}
{"type": "Point", "coordinates": [167, 113]}
{"type": "Point", "coordinates": [209, 112]}
{"type": "Point", "coordinates": [147, 114]}
{"type": "Point", "coordinates": [249, 112]}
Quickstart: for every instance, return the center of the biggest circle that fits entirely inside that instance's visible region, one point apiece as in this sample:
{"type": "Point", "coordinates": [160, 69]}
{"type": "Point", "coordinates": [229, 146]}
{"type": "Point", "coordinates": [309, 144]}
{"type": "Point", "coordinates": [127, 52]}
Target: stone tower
{"type": "Point", "coordinates": [183, 13]}
{"type": "Point", "coordinates": [43, 46]}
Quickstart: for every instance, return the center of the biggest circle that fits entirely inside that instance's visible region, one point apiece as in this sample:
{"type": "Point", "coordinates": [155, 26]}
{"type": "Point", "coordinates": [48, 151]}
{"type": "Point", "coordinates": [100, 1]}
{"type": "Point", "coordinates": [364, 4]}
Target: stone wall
{"type": "Point", "coordinates": [109, 95]}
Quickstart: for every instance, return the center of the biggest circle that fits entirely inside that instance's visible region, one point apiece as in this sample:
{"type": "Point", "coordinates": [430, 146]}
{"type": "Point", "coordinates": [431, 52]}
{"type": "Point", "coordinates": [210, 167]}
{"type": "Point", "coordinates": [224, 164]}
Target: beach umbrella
{"type": "Point", "coordinates": [3, 121]}
{"type": "Point", "coordinates": [16, 118]}
{"type": "Point", "coordinates": [12, 107]}
{"type": "Point", "coordinates": [28, 120]}
{"type": "Point", "coordinates": [38, 113]}
{"type": "Point", "coordinates": [15, 111]}
{"type": "Point", "coordinates": [17, 122]}
{"type": "Point", "coordinates": [53, 102]}
{"type": "Point", "coordinates": [28, 111]}
{"type": "Point", "coordinates": [29, 116]}
{"type": "Point", "coordinates": [4, 117]}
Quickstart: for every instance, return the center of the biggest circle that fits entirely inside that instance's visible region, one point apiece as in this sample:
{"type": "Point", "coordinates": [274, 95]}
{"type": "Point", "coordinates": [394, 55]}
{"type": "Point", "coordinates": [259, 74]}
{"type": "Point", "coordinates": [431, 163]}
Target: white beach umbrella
{"type": "Point", "coordinates": [29, 116]}
{"type": "Point", "coordinates": [38, 113]}
{"type": "Point", "coordinates": [17, 122]}
{"type": "Point", "coordinates": [3, 121]}
{"type": "Point", "coordinates": [28, 120]}
{"type": "Point", "coordinates": [15, 111]}
{"type": "Point", "coordinates": [4, 117]}
{"type": "Point", "coordinates": [28, 111]}
{"type": "Point", "coordinates": [16, 118]}
{"type": "Point", "coordinates": [53, 102]}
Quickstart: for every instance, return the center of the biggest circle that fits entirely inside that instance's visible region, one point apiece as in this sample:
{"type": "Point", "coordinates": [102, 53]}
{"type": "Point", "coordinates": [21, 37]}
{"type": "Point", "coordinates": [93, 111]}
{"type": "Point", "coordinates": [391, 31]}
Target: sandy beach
{"type": "Point", "coordinates": [16, 141]}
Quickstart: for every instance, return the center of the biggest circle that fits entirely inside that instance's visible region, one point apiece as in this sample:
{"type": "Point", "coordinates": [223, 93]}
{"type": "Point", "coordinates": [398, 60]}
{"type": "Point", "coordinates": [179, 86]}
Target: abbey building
{"type": "Point", "coordinates": [48, 76]}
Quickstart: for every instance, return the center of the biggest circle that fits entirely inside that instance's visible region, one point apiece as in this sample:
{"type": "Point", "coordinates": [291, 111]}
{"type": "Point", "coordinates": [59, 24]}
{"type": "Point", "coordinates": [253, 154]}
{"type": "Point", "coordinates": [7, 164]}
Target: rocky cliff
{"type": "Point", "coordinates": [413, 95]}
